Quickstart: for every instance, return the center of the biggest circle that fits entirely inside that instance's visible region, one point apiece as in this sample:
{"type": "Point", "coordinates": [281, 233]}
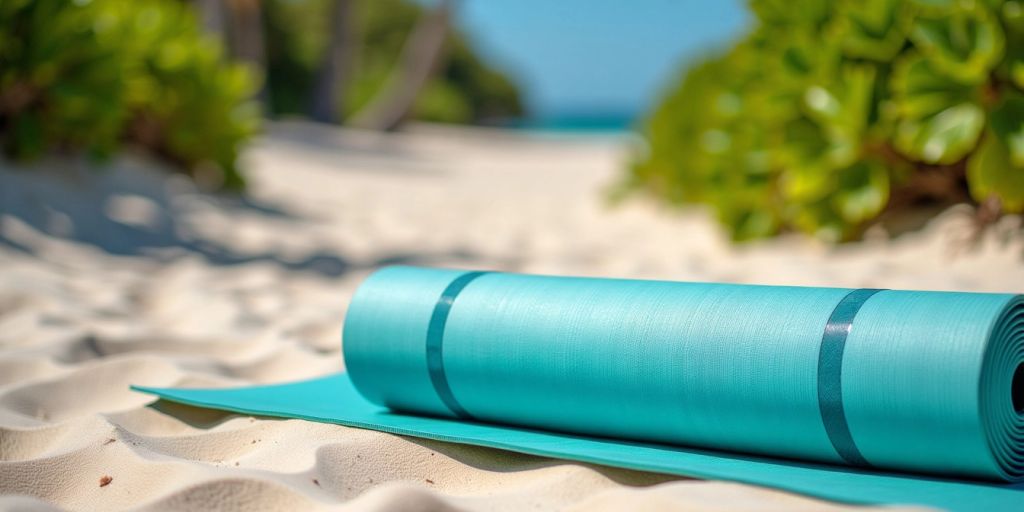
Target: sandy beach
{"type": "Point", "coordinates": [125, 275]}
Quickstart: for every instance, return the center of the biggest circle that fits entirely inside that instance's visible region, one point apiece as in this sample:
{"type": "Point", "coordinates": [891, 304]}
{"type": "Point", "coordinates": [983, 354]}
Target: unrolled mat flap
{"type": "Point", "coordinates": [333, 399]}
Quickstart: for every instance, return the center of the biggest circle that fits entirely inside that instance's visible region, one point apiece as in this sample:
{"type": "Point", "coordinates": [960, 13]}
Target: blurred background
{"type": "Point", "coordinates": [191, 191]}
{"type": "Point", "coordinates": [829, 143]}
{"type": "Point", "coordinates": [660, 138]}
{"type": "Point", "coordinates": [827, 119]}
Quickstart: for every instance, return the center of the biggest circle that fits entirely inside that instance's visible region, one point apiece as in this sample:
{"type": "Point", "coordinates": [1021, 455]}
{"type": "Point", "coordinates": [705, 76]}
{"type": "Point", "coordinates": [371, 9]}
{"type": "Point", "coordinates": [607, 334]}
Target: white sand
{"type": "Point", "coordinates": [241, 293]}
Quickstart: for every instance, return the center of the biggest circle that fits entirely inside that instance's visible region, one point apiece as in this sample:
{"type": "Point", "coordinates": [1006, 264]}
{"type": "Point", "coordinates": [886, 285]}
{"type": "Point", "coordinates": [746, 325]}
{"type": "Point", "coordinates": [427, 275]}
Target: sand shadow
{"type": "Point", "coordinates": [503, 461]}
{"type": "Point", "coordinates": [132, 208]}
{"type": "Point", "coordinates": [195, 417]}
{"type": "Point", "coordinates": [478, 457]}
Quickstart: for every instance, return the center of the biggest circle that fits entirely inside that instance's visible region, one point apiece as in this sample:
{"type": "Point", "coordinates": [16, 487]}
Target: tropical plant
{"type": "Point", "coordinates": [89, 75]}
{"type": "Point", "coordinates": [830, 113]}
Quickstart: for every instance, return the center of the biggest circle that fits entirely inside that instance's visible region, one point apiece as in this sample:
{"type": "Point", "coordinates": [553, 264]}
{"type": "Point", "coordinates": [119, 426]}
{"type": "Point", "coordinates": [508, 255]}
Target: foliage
{"type": "Point", "coordinates": [463, 90]}
{"type": "Point", "coordinates": [90, 75]}
{"type": "Point", "coordinates": [830, 113]}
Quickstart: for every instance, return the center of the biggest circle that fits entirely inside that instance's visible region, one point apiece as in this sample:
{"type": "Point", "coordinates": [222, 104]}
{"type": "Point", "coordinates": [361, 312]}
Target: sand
{"type": "Point", "coordinates": [126, 276]}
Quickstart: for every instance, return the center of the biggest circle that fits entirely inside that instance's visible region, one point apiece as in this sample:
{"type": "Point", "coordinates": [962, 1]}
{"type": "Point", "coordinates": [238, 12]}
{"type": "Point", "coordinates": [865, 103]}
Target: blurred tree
{"type": "Point", "coordinates": [245, 36]}
{"type": "Point", "coordinates": [213, 17]}
{"type": "Point", "coordinates": [459, 89]}
{"type": "Point", "coordinates": [419, 59]}
{"type": "Point", "coordinates": [335, 65]}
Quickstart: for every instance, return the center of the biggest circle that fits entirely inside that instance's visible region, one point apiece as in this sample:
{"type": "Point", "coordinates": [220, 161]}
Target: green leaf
{"type": "Point", "coordinates": [755, 223]}
{"type": "Point", "coordinates": [997, 169]}
{"type": "Point", "coordinates": [792, 13]}
{"type": "Point", "coordinates": [828, 137]}
{"type": "Point", "coordinates": [963, 42]}
{"type": "Point", "coordinates": [1007, 123]}
{"type": "Point", "coordinates": [943, 138]}
{"type": "Point", "coordinates": [938, 121]}
{"type": "Point", "coordinates": [27, 136]}
{"type": "Point", "coordinates": [863, 191]}
{"type": "Point", "coordinates": [807, 174]}
{"type": "Point", "coordinates": [818, 219]}
{"type": "Point", "coordinates": [874, 29]}
{"type": "Point", "coordinates": [1012, 14]}
{"type": "Point", "coordinates": [841, 108]}
{"type": "Point", "coordinates": [991, 172]}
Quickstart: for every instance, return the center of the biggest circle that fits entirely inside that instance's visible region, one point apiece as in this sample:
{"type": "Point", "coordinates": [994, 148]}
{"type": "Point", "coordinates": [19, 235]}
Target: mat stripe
{"type": "Point", "coordinates": [830, 375]}
{"type": "Point", "coordinates": [435, 342]}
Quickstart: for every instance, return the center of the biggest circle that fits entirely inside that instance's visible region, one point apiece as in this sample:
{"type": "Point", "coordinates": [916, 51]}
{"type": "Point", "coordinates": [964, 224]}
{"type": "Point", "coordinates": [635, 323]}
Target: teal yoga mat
{"type": "Point", "coordinates": [862, 396]}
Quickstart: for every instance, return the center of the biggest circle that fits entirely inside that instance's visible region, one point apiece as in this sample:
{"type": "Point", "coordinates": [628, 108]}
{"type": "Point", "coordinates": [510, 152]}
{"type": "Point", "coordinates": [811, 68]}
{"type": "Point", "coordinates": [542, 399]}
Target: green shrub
{"type": "Point", "coordinates": [89, 75]}
{"type": "Point", "coordinates": [830, 113]}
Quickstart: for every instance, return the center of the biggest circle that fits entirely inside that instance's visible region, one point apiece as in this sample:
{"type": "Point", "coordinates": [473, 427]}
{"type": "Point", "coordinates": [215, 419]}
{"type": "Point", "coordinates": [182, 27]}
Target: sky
{"type": "Point", "coordinates": [574, 57]}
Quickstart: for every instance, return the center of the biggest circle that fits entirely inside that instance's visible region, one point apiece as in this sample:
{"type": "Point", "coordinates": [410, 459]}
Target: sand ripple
{"type": "Point", "coordinates": [217, 292]}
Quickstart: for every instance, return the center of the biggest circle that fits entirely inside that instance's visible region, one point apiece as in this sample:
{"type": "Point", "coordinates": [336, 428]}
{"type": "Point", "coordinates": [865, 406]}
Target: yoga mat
{"type": "Point", "coordinates": [862, 396]}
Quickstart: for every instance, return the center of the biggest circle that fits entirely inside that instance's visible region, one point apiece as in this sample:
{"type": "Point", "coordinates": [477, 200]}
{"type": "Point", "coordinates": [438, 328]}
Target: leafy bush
{"type": "Point", "coordinates": [89, 75]}
{"type": "Point", "coordinates": [830, 113]}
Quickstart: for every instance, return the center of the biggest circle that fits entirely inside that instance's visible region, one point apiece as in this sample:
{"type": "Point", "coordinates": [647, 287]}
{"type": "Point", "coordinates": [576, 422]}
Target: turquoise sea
{"type": "Point", "coordinates": [577, 123]}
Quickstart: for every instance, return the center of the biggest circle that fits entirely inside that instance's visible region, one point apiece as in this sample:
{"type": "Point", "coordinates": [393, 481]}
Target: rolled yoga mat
{"type": "Point", "coordinates": [863, 396]}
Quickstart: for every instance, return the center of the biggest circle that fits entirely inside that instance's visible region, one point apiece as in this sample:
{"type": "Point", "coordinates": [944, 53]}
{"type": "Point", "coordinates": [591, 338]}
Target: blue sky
{"type": "Point", "coordinates": [599, 56]}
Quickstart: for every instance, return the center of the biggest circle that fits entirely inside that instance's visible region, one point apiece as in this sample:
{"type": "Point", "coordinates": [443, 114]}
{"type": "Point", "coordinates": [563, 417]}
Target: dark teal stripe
{"type": "Point", "coordinates": [435, 342]}
{"type": "Point", "coordinates": [830, 375]}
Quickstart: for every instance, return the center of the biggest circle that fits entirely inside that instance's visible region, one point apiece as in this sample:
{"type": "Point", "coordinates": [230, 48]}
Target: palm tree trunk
{"type": "Point", "coordinates": [335, 68]}
{"type": "Point", "coordinates": [420, 56]}
{"type": "Point", "coordinates": [245, 38]}
{"type": "Point", "coordinates": [211, 14]}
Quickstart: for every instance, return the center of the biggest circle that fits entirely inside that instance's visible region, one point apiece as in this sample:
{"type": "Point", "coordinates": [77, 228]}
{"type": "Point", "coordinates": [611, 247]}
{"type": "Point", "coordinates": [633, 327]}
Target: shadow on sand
{"type": "Point", "coordinates": [132, 208]}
